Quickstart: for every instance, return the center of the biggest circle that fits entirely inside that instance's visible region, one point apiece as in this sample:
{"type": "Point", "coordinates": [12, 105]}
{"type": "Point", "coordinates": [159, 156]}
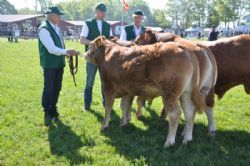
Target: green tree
{"type": "Point", "coordinates": [26, 10]}
{"type": "Point", "coordinates": [7, 8]}
{"type": "Point", "coordinates": [83, 10]}
{"type": "Point", "coordinates": [44, 4]}
{"type": "Point", "coordinates": [161, 20]}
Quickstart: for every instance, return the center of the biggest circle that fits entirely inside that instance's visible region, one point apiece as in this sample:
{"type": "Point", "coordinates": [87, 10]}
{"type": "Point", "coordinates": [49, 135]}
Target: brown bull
{"type": "Point", "coordinates": [207, 65]}
{"type": "Point", "coordinates": [233, 60]}
{"type": "Point", "coordinates": [164, 69]}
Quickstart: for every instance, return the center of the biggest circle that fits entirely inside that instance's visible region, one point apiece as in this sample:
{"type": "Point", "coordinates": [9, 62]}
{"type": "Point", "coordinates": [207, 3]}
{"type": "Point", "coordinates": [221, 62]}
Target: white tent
{"type": "Point", "coordinates": [192, 32]}
{"type": "Point", "coordinates": [243, 28]}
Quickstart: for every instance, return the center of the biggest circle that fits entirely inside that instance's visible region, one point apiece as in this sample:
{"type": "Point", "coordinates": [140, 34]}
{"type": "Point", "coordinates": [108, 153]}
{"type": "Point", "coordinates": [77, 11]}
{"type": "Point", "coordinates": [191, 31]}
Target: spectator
{"type": "Point", "coordinates": [10, 35]}
{"type": "Point", "coordinates": [213, 35]}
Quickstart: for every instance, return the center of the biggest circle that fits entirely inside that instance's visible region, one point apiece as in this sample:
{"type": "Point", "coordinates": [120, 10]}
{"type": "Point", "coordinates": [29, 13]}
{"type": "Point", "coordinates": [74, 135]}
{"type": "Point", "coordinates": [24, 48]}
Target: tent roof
{"type": "Point", "coordinates": [16, 18]}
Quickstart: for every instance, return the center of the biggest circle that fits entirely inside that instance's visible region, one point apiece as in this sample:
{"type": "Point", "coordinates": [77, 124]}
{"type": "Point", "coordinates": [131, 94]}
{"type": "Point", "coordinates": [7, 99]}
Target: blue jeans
{"type": "Point", "coordinates": [91, 70]}
{"type": "Point", "coordinates": [52, 86]}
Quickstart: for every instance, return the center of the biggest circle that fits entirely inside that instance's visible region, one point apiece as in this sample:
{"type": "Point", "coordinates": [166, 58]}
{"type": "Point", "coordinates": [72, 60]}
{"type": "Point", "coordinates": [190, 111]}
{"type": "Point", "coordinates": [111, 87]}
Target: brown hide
{"type": "Point", "coordinates": [162, 69]}
{"type": "Point", "coordinates": [233, 61]}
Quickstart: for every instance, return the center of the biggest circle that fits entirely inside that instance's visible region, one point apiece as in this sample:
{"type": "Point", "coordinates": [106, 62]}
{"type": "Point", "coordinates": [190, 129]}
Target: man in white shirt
{"type": "Point", "coordinates": [91, 30]}
{"type": "Point", "coordinates": [130, 32]}
{"type": "Point", "coordinates": [52, 59]}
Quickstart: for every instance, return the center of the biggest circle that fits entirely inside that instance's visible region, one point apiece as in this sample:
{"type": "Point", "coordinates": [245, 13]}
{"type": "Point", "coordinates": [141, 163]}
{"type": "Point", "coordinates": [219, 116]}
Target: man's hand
{"type": "Point", "coordinates": [72, 53]}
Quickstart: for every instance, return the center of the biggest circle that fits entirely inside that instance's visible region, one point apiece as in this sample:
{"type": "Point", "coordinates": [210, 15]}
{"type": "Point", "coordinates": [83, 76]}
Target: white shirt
{"type": "Point", "coordinates": [48, 42]}
{"type": "Point", "coordinates": [85, 29]}
{"type": "Point", "coordinates": [136, 30]}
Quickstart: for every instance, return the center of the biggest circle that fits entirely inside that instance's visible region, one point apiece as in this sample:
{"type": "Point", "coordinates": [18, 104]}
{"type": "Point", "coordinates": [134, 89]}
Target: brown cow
{"type": "Point", "coordinates": [232, 56]}
{"type": "Point", "coordinates": [140, 99]}
{"type": "Point", "coordinates": [233, 60]}
{"type": "Point", "coordinates": [163, 69]}
{"type": "Point", "coordinates": [206, 60]}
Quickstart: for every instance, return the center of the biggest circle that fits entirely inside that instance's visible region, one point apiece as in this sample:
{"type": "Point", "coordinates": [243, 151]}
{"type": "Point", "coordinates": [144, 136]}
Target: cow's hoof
{"type": "Point", "coordinates": [212, 133]}
{"type": "Point", "coordinates": [128, 118]}
{"type": "Point", "coordinates": [186, 140]}
{"type": "Point", "coordinates": [123, 124]}
{"type": "Point", "coordinates": [168, 144]}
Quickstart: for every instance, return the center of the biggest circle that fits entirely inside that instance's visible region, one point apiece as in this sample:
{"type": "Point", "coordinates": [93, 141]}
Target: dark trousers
{"type": "Point", "coordinates": [52, 86]}
{"type": "Point", "coordinates": [91, 70]}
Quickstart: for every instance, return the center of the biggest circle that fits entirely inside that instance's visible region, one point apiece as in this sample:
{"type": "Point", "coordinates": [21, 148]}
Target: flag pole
{"type": "Point", "coordinates": [122, 15]}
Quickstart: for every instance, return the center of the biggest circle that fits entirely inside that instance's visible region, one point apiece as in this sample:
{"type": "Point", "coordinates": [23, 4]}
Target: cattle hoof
{"type": "Point", "coordinates": [168, 144]}
{"type": "Point", "coordinates": [212, 133]}
{"type": "Point", "coordinates": [185, 141]}
{"type": "Point", "coordinates": [123, 124]}
{"type": "Point", "coordinates": [128, 118]}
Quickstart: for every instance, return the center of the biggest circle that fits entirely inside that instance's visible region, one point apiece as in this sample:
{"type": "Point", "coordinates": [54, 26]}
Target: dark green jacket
{"type": "Point", "coordinates": [130, 31]}
{"type": "Point", "coordinates": [94, 32]}
{"type": "Point", "coordinates": [48, 60]}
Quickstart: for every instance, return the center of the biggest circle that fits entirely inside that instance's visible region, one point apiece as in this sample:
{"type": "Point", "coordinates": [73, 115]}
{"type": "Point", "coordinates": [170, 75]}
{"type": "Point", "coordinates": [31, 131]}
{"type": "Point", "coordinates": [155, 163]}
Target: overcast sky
{"type": "Point", "coordinates": [156, 4]}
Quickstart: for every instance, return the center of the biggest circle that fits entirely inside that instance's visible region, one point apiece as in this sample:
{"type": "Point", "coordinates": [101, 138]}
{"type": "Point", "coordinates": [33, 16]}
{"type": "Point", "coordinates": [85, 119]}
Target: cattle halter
{"type": "Point", "coordinates": [73, 68]}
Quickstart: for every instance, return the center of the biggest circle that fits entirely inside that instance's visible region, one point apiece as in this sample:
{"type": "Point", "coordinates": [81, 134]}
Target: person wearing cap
{"type": "Point", "coordinates": [52, 59]}
{"type": "Point", "coordinates": [91, 30]}
{"type": "Point", "coordinates": [130, 32]}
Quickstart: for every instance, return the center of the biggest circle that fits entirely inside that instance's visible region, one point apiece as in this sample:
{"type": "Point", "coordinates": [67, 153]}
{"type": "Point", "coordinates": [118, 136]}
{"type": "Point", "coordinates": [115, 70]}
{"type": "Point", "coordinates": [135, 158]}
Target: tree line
{"type": "Point", "coordinates": [176, 13]}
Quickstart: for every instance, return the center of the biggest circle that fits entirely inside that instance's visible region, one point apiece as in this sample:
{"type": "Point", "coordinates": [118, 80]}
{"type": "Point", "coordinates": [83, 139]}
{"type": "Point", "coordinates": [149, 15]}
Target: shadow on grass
{"type": "Point", "coordinates": [65, 143]}
{"type": "Point", "coordinates": [146, 145]}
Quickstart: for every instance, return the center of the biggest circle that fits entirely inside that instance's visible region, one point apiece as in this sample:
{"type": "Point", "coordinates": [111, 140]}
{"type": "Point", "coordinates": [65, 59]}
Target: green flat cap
{"type": "Point", "coordinates": [101, 6]}
{"type": "Point", "coordinates": [54, 9]}
{"type": "Point", "coordinates": [138, 13]}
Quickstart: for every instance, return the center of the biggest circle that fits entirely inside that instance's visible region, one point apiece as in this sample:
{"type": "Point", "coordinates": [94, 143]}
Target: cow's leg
{"type": "Point", "coordinates": [140, 100]}
{"type": "Point", "coordinates": [209, 113]}
{"type": "Point", "coordinates": [211, 122]}
{"type": "Point", "coordinates": [109, 101]}
{"type": "Point", "coordinates": [173, 110]}
{"type": "Point", "coordinates": [125, 106]}
{"type": "Point", "coordinates": [163, 113]}
{"type": "Point", "coordinates": [130, 102]}
{"type": "Point", "coordinates": [189, 112]}
{"type": "Point", "coordinates": [150, 101]}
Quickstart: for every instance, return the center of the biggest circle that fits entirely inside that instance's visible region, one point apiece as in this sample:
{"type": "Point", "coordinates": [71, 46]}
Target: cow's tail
{"type": "Point", "coordinates": [197, 97]}
{"type": "Point", "coordinates": [211, 93]}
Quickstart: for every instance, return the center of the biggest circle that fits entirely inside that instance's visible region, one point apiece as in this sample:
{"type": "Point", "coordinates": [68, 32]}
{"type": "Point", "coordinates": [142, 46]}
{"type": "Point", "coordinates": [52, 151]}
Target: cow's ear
{"type": "Point", "coordinates": [100, 41]}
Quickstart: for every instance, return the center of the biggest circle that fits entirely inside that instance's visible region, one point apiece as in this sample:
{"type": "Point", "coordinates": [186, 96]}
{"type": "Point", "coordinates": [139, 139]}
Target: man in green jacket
{"type": "Point", "coordinates": [91, 30]}
{"type": "Point", "coordinates": [52, 59]}
{"type": "Point", "coordinates": [130, 32]}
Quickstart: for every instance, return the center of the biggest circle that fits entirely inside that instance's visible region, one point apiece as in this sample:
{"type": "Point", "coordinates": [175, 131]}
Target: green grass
{"type": "Point", "coordinates": [75, 139]}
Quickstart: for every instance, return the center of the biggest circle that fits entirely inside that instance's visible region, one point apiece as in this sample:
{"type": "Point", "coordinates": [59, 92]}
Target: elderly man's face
{"type": "Point", "coordinates": [100, 14]}
{"type": "Point", "coordinates": [54, 18]}
{"type": "Point", "coordinates": [138, 19]}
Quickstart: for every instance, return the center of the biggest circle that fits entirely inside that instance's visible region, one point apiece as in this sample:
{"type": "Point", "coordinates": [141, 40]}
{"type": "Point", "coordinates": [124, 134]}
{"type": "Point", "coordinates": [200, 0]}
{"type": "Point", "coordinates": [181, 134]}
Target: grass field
{"type": "Point", "coordinates": [75, 139]}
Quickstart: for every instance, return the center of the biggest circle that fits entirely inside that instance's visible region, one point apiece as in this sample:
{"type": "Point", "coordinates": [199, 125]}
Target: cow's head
{"type": "Point", "coordinates": [148, 37]}
{"type": "Point", "coordinates": [96, 50]}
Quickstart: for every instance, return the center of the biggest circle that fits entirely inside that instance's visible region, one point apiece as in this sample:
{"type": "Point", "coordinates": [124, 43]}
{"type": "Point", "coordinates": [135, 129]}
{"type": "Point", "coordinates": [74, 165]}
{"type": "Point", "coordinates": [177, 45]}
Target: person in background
{"type": "Point", "coordinates": [52, 59]}
{"type": "Point", "coordinates": [10, 35]}
{"type": "Point", "coordinates": [92, 29]}
{"type": "Point", "coordinates": [213, 35]}
{"type": "Point", "coordinates": [130, 32]}
{"type": "Point", "coordinates": [199, 35]}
